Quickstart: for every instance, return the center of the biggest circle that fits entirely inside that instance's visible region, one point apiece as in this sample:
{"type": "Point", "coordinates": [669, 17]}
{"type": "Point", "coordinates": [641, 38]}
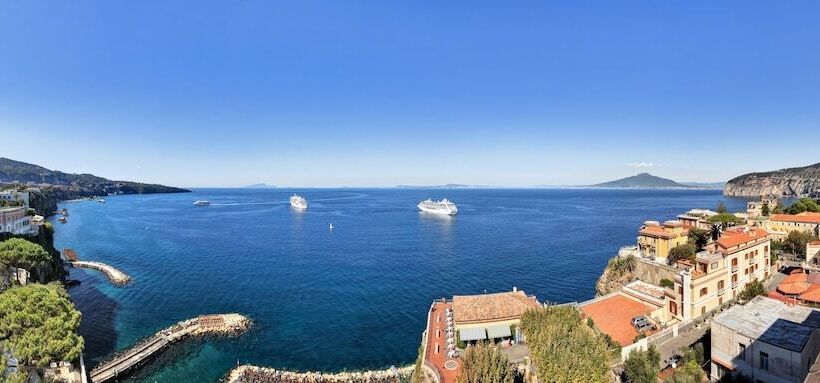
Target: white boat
{"type": "Point", "coordinates": [202, 203]}
{"type": "Point", "coordinates": [444, 207]}
{"type": "Point", "coordinates": [101, 200]}
{"type": "Point", "coordinates": [298, 202]}
{"type": "Point", "coordinates": [331, 226]}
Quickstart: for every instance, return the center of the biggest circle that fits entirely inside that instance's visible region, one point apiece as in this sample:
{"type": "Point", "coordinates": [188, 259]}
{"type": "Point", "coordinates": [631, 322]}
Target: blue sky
{"type": "Point", "coordinates": [376, 93]}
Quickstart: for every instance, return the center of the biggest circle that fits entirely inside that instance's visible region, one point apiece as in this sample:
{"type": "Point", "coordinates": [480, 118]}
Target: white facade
{"type": "Point", "coordinates": [13, 195]}
{"type": "Point", "coordinates": [15, 221]}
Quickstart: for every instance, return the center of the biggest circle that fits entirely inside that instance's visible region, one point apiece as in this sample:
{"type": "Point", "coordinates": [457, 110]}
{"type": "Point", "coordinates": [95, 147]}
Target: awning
{"type": "Point", "coordinates": [498, 331]}
{"type": "Point", "coordinates": [472, 333]}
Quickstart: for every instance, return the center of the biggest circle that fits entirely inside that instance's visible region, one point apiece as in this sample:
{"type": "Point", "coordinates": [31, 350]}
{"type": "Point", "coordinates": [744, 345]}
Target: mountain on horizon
{"type": "Point", "coordinates": [12, 171]}
{"type": "Point", "coordinates": [645, 181]}
{"type": "Point", "coordinates": [260, 185]}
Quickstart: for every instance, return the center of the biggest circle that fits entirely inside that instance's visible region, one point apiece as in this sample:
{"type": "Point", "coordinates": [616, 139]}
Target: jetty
{"type": "Point", "coordinates": [126, 360]}
{"type": "Point", "coordinates": [114, 275]}
{"type": "Point", "coordinates": [254, 374]}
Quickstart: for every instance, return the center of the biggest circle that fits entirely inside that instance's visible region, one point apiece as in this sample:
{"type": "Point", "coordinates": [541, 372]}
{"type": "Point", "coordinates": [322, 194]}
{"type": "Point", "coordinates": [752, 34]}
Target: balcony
{"type": "Point", "coordinates": [752, 261]}
{"type": "Point", "coordinates": [721, 291]}
{"type": "Point", "coordinates": [734, 284]}
{"type": "Point", "coordinates": [734, 268]}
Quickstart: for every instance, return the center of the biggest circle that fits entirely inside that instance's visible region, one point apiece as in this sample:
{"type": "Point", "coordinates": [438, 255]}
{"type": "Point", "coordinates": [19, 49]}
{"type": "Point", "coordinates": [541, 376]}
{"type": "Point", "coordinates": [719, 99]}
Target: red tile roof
{"type": "Point", "coordinates": [732, 238]}
{"type": "Point", "coordinates": [491, 307]}
{"type": "Point", "coordinates": [804, 217]}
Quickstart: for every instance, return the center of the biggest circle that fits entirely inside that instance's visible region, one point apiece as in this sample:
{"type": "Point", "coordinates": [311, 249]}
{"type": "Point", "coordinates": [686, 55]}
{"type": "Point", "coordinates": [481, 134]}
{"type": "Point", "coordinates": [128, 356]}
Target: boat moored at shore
{"type": "Point", "coordinates": [443, 207]}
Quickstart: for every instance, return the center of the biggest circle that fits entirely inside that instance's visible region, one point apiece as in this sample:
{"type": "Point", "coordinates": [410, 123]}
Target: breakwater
{"type": "Point", "coordinates": [128, 359]}
{"type": "Point", "coordinates": [253, 374]}
{"type": "Point", "coordinates": [114, 275]}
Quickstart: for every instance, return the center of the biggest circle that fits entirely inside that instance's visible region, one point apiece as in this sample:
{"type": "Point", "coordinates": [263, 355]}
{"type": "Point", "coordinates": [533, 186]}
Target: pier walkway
{"type": "Point", "coordinates": [130, 358]}
{"type": "Point", "coordinates": [115, 276]}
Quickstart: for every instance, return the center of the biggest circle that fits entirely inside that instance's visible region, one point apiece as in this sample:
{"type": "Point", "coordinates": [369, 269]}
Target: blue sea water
{"type": "Point", "coordinates": [352, 298]}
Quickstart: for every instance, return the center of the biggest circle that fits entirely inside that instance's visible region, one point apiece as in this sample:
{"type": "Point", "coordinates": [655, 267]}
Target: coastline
{"type": "Point", "coordinates": [256, 374]}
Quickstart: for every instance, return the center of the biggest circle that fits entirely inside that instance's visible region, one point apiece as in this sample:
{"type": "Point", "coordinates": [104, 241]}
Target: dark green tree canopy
{"type": "Point", "coordinates": [699, 237]}
{"type": "Point", "coordinates": [642, 366]}
{"type": "Point", "coordinates": [18, 252]}
{"type": "Point", "coordinates": [682, 251]}
{"type": "Point", "coordinates": [803, 205]}
{"type": "Point", "coordinates": [563, 349]}
{"type": "Point", "coordinates": [482, 364]}
{"type": "Point", "coordinates": [38, 324]}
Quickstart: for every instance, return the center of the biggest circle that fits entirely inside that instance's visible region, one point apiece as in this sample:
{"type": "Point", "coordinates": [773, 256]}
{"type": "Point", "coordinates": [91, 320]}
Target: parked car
{"type": "Point", "coordinates": [645, 327]}
{"type": "Point", "coordinates": [639, 321]}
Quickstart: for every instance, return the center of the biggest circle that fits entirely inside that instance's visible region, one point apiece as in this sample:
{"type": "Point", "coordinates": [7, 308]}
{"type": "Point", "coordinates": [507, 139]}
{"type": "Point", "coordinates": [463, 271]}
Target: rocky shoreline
{"type": "Point", "coordinates": [254, 374]}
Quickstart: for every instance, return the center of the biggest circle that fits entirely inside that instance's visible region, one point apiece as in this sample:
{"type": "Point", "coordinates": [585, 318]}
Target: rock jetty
{"type": "Point", "coordinates": [115, 276]}
{"type": "Point", "coordinates": [253, 374]}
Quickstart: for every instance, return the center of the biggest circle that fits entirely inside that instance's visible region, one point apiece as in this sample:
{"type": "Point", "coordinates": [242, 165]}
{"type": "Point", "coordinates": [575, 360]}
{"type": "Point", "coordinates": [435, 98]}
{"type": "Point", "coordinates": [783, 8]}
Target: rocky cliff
{"type": "Point", "coordinates": [793, 182]}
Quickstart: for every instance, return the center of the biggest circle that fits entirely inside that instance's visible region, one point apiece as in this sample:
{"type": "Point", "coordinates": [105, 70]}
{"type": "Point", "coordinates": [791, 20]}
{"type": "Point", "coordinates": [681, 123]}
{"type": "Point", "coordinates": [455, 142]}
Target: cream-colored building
{"type": "Point", "coordinates": [755, 208]}
{"type": "Point", "coordinates": [780, 225]}
{"type": "Point", "coordinates": [766, 340]}
{"type": "Point", "coordinates": [719, 273]}
{"type": "Point", "coordinates": [813, 255]}
{"type": "Point", "coordinates": [14, 220]}
{"type": "Point", "coordinates": [656, 240]}
{"type": "Point", "coordinates": [696, 218]}
{"type": "Point", "coordinates": [490, 316]}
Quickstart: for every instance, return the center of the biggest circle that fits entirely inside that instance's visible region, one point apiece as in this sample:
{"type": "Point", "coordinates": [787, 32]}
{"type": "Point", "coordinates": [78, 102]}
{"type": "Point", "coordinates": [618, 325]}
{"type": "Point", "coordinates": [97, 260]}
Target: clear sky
{"type": "Point", "coordinates": [378, 93]}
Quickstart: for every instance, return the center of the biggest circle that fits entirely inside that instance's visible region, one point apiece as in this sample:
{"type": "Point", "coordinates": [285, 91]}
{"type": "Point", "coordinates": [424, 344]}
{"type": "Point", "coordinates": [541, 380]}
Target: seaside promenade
{"type": "Point", "coordinates": [446, 369]}
{"type": "Point", "coordinates": [131, 357]}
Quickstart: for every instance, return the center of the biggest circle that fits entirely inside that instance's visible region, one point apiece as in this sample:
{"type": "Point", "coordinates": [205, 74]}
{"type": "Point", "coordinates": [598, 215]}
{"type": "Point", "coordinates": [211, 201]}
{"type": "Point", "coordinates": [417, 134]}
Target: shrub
{"type": "Point", "coordinates": [682, 251]}
{"type": "Point", "coordinates": [642, 366]}
{"type": "Point", "coordinates": [667, 283]}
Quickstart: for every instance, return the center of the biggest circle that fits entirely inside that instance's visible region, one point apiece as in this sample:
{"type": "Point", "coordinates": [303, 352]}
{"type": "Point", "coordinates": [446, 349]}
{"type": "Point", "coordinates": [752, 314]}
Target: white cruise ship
{"type": "Point", "coordinates": [202, 203]}
{"type": "Point", "coordinates": [438, 207]}
{"type": "Point", "coordinates": [298, 202]}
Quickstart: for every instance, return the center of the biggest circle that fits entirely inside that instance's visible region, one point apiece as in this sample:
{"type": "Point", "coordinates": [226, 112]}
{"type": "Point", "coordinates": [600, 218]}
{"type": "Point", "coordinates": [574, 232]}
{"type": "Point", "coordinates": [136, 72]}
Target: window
{"type": "Point", "coordinates": [764, 361]}
{"type": "Point", "coordinates": [703, 310]}
{"type": "Point", "coordinates": [703, 291]}
{"type": "Point", "coordinates": [714, 265]}
{"type": "Point", "coordinates": [741, 351]}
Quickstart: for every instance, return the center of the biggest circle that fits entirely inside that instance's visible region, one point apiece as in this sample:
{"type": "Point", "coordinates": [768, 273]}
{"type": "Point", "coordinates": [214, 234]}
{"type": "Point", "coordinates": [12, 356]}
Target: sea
{"type": "Point", "coordinates": [351, 298]}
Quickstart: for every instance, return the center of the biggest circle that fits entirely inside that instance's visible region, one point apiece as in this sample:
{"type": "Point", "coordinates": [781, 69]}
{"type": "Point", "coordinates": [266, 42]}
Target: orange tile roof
{"type": "Point", "coordinates": [613, 316]}
{"type": "Point", "coordinates": [812, 294]}
{"type": "Point", "coordinates": [656, 231]}
{"type": "Point", "coordinates": [732, 238]}
{"type": "Point", "coordinates": [491, 307]}
{"type": "Point", "coordinates": [804, 217]}
{"type": "Point", "coordinates": [814, 243]}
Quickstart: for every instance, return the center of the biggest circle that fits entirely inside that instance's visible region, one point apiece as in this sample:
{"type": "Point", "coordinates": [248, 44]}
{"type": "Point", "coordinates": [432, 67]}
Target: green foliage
{"type": "Point", "coordinates": [695, 353]}
{"type": "Point", "coordinates": [774, 257]}
{"type": "Point", "coordinates": [562, 348]}
{"type": "Point", "coordinates": [752, 289]}
{"type": "Point", "coordinates": [18, 252]}
{"type": "Point", "coordinates": [724, 220]}
{"type": "Point", "coordinates": [10, 203]}
{"type": "Point", "coordinates": [689, 372]}
{"type": "Point", "coordinates": [802, 205]}
{"type": "Point", "coordinates": [418, 371]}
{"type": "Point", "coordinates": [642, 366]}
{"type": "Point", "coordinates": [484, 363]}
{"type": "Point", "coordinates": [619, 266]}
{"type": "Point", "coordinates": [721, 208]}
{"type": "Point", "coordinates": [796, 242]}
{"type": "Point", "coordinates": [38, 324]}
{"type": "Point", "coordinates": [682, 251]}
{"type": "Point", "coordinates": [667, 283]}
{"type": "Point", "coordinates": [699, 237]}
{"type": "Point", "coordinates": [17, 377]}
{"type": "Point", "coordinates": [765, 210]}
{"type": "Point", "coordinates": [590, 323]}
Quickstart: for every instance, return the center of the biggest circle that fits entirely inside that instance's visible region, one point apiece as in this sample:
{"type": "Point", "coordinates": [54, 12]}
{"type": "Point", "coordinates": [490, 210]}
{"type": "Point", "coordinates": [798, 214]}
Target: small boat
{"type": "Point", "coordinates": [331, 226]}
{"type": "Point", "coordinates": [62, 219]}
{"type": "Point", "coordinates": [298, 202]}
{"type": "Point", "coordinates": [101, 200]}
{"type": "Point", "coordinates": [202, 203]}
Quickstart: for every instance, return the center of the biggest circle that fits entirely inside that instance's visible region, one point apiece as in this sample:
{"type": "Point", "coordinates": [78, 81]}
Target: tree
{"type": "Point", "coordinates": [752, 289]}
{"type": "Point", "coordinates": [803, 205]}
{"type": "Point", "coordinates": [38, 324]}
{"type": "Point", "coordinates": [720, 222]}
{"type": "Point", "coordinates": [667, 283]}
{"type": "Point", "coordinates": [484, 363]}
{"type": "Point", "coordinates": [765, 210]}
{"type": "Point", "coordinates": [689, 372]}
{"type": "Point", "coordinates": [682, 251]}
{"type": "Point", "coordinates": [699, 237]}
{"type": "Point", "coordinates": [18, 252]}
{"type": "Point", "coordinates": [642, 366]}
{"type": "Point", "coordinates": [563, 348]}
{"type": "Point", "coordinates": [796, 242]}
{"type": "Point", "coordinates": [721, 208]}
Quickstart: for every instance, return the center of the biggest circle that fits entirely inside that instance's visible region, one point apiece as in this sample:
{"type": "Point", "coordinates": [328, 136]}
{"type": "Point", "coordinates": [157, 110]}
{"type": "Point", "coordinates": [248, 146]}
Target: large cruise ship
{"type": "Point", "coordinates": [438, 207]}
{"type": "Point", "coordinates": [298, 202]}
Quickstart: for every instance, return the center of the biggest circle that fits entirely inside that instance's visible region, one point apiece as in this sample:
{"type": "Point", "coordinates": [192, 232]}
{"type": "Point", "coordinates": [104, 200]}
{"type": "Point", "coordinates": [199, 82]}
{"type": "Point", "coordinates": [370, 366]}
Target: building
{"type": "Point", "coordinates": [612, 314]}
{"type": "Point", "coordinates": [656, 240]}
{"type": "Point", "coordinates": [755, 208]}
{"type": "Point", "coordinates": [490, 316]}
{"type": "Point", "coordinates": [14, 220]}
{"type": "Point", "coordinates": [14, 195]}
{"type": "Point", "coordinates": [813, 256]}
{"type": "Point", "coordinates": [696, 218]}
{"type": "Point", "coordinates": [766, 341]}
{"type": "Point", "coordinates": [720, 272]}
{"type": "Point", "coordinates": [780, 225]}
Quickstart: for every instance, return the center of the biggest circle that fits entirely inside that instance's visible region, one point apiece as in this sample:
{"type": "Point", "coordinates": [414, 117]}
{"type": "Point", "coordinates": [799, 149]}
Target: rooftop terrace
{"type": "Point", "coordinates": [773, 322]}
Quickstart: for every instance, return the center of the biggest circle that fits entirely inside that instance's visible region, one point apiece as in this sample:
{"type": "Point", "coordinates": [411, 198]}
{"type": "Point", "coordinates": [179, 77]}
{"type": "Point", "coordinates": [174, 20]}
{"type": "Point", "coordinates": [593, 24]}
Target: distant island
{"type": "Point", "coordinates": [260, 186]}
{"type": "Point", "coordinates": [648, 181]}
{"type": "Point", "coordinates": [792, 182]}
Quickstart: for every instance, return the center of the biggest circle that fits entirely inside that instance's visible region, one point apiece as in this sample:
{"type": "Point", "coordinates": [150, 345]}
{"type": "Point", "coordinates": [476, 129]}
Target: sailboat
{"type": "Point", "coordinates": [331, 226]}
